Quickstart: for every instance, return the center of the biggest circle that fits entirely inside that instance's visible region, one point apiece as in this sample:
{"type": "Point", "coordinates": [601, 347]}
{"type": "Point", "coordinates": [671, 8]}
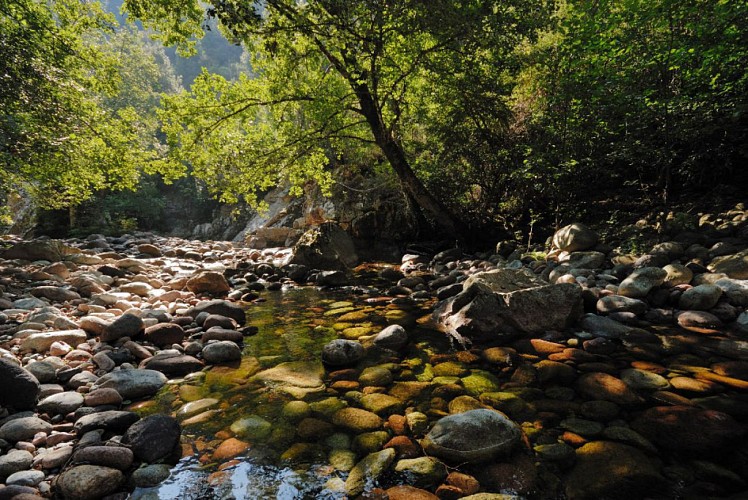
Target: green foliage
{"type": "Point", "coordinates": [77, 100]}
{"type": "Point", "coordinates": [331, 74]}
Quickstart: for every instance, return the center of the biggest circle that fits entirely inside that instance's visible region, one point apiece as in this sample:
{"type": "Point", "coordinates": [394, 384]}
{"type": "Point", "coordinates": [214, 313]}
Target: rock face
{"type": "Point", "coordinates": [506, 301]}
{"type": "Point", "coordinates": [19, 389]}
{"type": "Point", "coordinates": [575, 237]}
{"type": "Point", "coordinates": [472, 436]}
{"type": "Point", "coordinates": [325, 247]}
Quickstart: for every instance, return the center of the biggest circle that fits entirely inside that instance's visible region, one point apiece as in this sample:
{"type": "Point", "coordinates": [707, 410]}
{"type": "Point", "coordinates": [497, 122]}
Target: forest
{"type": "Point", "coordinates": [484, 116]}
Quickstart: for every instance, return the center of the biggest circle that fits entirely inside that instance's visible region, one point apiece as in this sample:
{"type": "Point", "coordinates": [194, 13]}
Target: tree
{"type": "Point", "coordinates": [649, 93]}
{"type": "Point", "coordinates": [65, 131]}
{"type": "Point", "coordinates": [329, 72]}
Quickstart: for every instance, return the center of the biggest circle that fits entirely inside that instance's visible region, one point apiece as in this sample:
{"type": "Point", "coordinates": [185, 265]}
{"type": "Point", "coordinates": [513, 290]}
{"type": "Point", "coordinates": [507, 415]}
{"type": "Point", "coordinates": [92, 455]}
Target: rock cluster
{"type": "Point", "coordinates": [585, 374]}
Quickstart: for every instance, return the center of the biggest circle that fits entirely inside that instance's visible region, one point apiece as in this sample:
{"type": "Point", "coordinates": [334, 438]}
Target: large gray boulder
{"type": "Point", "coordinates": [472, 436]}
{"type": "Point", "coordinates": [574, 238]}
{"type": "Point", "coordinates": [505, 302]}
{"type": "Point", "coordinates": [51, 250]}
{"type": "Point", "coordinates": [325, 247]}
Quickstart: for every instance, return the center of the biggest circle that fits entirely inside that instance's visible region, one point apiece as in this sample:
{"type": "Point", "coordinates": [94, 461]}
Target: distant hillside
{"type": "Point", "coordinates": [214, 52]}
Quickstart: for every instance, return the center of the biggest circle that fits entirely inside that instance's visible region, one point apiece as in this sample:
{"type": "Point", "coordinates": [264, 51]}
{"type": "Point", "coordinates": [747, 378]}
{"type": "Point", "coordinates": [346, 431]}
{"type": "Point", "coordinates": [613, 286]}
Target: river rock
{"type": "Point", "coordinates": [51, 250]}
{"type": "Point", "coordinates": [586, 260]}
{"type": "Point", "coordinates": [575, 237]}
{"type": "Point", "coordinates": [736, 291]}
{"type": "Point", "coordinates": [60, 404]}
{"type": "Point", "coordinates": [641, 281]}
{"type": "Point", "coordinates": [42, 341]}
{"type": "Point", "coordinates": [604, 327]}
{"type": "Point", "coordinates": [331, 278]}
{"type": "Point", "coordinates": [110, 420]}
{"type": "Point", "coordinates": [503, 301]}
{"type": "Point", "coordinates": [611, 470]}
{"type": "Point", "coordinates": [222, 307]}
{"type": "Point", "coordinates": [14, 461]}
{"type": "Point", "coordinates": [89, 482]}
{"type": "Point", "coordinates": [223, 351]}
{"type": "Point", "coordinates": [326, 247]}
{"type": "Point", "coordinates": [153, 438]}
{"type": "Point", "coordinates": [357, 420]}
{"type": "Point", "coordinates": [297, 378]}
{"type": "Point", "coordinates": [422, 471]}
{"type": "Point", "coordinates": [618, 303]}
{"type": "Point", "coordinates": [222, 334]}
{"type": "Point", "coordinates": [150, 475]}
{"type": "Point", "coordinates": [392, 337]}
{"type": "Point", "coordinates": [367, 471]}
{"type": "Point", "coordinates": [643, 380]}
{"type": "Point", "coordinates": [252, 427]}
{"type": "Point", "coordinates": [164, 334]}
{"type": "Point", "coordinates": [677, 274]}
{"type": "Point", "coordinates": [25, 478]}
{"type": "Point", "coordinates": [341, 352]}
{"type": "Point", "coordinates": [43, 371]}
{"type": "Point", "coordinates": [103, 396]}
{"type": "Point", "coordinates": [133, 384]}
{"type": "Point", "coordinates": [150, 250]}
{"type": "Point", "coordinates": [19, 389]}
{"type": "Point", "coordinates": [689, 429]}
{"type": "Point", "coordinates": [211, 282]}
{"type": "Point", "coordinates": [94, 325]}
{"type": "Point", "coordinates": [699, 321]}
{"type": "Point", "coordinates": [116, 457]}
{"type": "Point", "coordinates": [473, 436]}
{"type": "Point", "coordinates": [55, 293]}
{"type": "Point", "coordinates": [127, 325]}
{"type": "Point", "coordinates": [23, 429]}
{"type": "Point", "coordinates": [700, 298]}
{"type": "Point", "coordinates": [606, 387]}
{"type": "Point", "coordinates": [734, 266]}
{"type": "Point", "coordinates": [173, 363]}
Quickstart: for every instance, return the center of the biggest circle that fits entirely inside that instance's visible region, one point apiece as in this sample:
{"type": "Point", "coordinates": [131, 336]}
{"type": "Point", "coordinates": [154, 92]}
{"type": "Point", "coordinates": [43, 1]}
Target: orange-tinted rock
{"type": "Point", "coordinates": [404, 446]}
{"type": "Point", "coordinates": [598, 385]}
{"type": "Point", "coordinates": [465, 482]}
{"type": "Point", "coordinates": [398, 424]}
{"type": "Point", "coordinates": [230, 448]}
{"type": "Point", "coordinates": [409, 493]}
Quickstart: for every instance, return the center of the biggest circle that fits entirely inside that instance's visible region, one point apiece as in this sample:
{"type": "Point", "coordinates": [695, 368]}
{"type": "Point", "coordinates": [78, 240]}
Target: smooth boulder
{"type": "Point", "coordinates": [472, 436]}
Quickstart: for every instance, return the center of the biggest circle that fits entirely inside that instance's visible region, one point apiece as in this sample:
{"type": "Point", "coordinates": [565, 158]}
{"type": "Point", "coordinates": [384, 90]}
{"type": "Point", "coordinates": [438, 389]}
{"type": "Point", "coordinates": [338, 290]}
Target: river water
{"type": "Point", "coordinates": [294, 325]}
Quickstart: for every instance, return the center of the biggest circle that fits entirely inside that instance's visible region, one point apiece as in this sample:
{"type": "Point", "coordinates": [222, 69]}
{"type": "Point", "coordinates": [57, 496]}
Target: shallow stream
{"type": "Point", "coordinates": [271, 461]}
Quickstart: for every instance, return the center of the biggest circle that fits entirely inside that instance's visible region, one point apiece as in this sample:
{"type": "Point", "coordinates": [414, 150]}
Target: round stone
{"type": "Point", "coordinates": [472, 436]}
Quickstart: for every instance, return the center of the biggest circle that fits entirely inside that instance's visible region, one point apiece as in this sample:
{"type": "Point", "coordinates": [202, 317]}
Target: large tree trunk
{"type": "Point", "coordinates": [412, 186]}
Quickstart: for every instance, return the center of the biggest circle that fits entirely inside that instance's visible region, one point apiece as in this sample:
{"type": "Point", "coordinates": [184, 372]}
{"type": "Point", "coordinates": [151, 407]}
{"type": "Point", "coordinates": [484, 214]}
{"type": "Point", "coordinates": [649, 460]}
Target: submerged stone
{"type": "Point", "coordinates": [472, 436]}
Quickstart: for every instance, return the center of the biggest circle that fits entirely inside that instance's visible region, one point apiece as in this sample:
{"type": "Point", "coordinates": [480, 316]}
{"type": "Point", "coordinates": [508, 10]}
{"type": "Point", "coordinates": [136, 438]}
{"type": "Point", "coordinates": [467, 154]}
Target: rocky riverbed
{"type": "Point", "coordinates": [152, 365]}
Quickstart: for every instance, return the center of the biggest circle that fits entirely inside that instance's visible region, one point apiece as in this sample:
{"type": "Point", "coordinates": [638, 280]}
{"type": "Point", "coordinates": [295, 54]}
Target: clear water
{"type": "Point", "coordinates": [293, 326]}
